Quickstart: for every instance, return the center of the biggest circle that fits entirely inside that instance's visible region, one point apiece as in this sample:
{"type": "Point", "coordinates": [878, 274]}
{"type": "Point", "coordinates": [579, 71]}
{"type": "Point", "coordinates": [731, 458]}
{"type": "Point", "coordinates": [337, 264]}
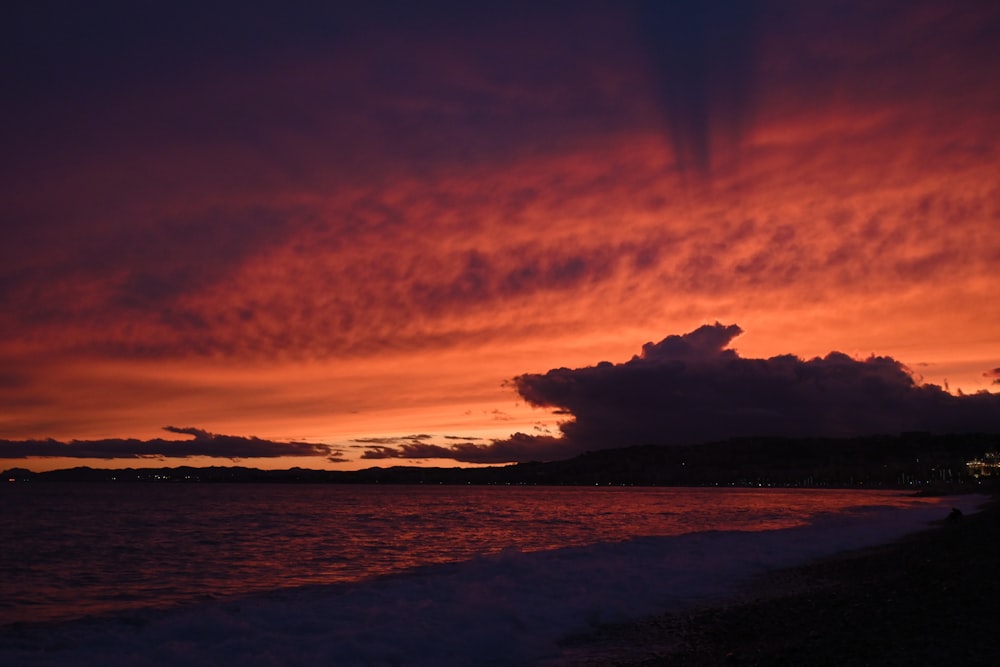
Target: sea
{"type": "Point", "coordinates": [272, 574]}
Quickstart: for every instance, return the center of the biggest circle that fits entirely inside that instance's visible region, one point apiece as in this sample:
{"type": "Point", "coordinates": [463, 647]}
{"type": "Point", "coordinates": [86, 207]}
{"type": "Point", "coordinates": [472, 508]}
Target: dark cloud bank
{"type": "Point", "coordinates": [692, 389]}
{"type": "Point", "coordinates": [204, 444]}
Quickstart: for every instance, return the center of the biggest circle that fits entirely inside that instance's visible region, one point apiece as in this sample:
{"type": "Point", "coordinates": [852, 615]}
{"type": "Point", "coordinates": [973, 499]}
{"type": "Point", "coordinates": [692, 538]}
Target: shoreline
{"type": "Point", "coordinates": [929, 598]}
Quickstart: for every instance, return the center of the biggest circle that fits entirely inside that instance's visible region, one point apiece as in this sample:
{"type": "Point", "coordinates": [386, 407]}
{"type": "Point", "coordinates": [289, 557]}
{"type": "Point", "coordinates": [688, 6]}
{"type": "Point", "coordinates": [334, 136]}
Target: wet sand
{"type": "Point", "coordinates": [932, 598]}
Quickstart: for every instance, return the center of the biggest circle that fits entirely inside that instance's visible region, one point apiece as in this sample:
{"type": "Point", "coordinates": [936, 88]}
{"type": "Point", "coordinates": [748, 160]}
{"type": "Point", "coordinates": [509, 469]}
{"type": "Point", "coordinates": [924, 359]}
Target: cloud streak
{"type": "Point", "coordinates": [204, 444]}
{"type": "Point", "coordinates": [519, 447]}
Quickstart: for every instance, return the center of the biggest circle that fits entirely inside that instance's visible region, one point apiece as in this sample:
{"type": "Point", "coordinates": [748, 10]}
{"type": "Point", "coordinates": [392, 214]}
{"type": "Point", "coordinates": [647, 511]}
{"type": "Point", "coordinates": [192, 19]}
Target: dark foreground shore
{"type": "Point", "coordinates": [932, 598]}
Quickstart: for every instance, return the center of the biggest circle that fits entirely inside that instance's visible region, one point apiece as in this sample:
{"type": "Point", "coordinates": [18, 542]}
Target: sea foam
{"type": "Point", "coordinates": [507, 608]}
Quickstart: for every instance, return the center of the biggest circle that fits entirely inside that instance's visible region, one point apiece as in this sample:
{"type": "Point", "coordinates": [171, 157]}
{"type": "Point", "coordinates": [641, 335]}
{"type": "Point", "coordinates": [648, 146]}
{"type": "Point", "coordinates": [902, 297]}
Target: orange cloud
{"type": "Point", "coordinates": [408, 217]}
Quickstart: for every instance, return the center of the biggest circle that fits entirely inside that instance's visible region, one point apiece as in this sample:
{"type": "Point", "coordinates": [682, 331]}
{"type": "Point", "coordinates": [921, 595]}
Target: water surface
{"type": "Point", "coordinates": [72, 550]}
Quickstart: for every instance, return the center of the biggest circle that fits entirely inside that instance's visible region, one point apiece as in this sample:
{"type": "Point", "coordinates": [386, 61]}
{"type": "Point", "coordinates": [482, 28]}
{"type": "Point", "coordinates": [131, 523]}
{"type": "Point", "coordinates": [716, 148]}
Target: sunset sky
{"type": "Point", "coordinates": [307, 235]}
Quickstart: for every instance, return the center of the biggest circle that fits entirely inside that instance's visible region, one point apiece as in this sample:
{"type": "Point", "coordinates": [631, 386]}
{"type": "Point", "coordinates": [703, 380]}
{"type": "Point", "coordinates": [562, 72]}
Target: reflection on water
{"type": "Point", "coordinates": [76, 549]}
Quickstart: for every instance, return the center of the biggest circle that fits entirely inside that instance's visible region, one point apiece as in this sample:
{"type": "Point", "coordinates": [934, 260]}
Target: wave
{"type": "Point", "coordinates": [506, 608]}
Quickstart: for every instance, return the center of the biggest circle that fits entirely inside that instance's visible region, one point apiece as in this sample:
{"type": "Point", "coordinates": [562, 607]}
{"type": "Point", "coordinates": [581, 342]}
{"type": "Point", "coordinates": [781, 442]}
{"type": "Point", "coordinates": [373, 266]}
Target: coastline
{"type": "Point", "coordinates": [505, 608]}
{"type": "Point", "coordinates": [930, 598]}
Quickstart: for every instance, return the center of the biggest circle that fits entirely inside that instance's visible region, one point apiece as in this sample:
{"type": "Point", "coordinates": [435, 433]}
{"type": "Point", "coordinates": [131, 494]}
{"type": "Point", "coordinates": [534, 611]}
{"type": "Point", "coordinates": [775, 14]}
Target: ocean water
{"type": "Point", "coordinates": [203, 574]}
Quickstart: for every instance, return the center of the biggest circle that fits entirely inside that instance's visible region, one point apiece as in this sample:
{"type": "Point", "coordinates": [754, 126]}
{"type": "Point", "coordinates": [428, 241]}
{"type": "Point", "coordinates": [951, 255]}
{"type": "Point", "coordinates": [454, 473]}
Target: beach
{"type": "Point", "coordinates": [931, 598]}
{"type": "Point", "coordinates": [164, 576]}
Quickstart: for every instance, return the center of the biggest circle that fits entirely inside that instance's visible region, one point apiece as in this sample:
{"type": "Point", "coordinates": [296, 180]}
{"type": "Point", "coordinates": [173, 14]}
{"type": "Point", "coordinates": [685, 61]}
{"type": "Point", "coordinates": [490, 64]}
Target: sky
{"type": "Point", "coordinates": [338, 235]}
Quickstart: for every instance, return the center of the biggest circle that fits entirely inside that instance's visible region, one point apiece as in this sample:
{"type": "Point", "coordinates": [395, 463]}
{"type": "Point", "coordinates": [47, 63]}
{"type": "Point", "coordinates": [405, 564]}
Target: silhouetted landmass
{"type": "Point", "coordinates": [911, 460]}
